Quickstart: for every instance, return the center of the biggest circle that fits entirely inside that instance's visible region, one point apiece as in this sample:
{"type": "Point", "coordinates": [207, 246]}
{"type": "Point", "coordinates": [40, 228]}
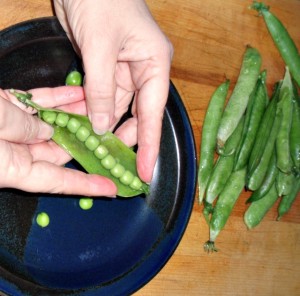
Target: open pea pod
{"type": "Point", "coordinates": [104, 155]}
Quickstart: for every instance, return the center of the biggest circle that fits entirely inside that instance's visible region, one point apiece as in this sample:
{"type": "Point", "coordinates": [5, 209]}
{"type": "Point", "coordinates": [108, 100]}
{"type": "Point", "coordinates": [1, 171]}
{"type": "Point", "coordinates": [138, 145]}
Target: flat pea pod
{"type": "Point", "coordinates": [73, 136]}
{"type": "Point", "coordinates": [256, 175]}
{"type": "Point", "coordinates": [295, 133]}
{"type": "Point", "coordinates": [224, 166]}
{"type": "Point", "coordinates": [287, 200]}
{"type": "Point", "coordinates": [282, 39]}
{"type": "Point", "coordinates": [258, 209]}
{"type": "Point", "coordinates": [209, 136]}
{"type": "Point", "coordinates": [285, 105]}
{"type": "Point", "coordinates": [224, 206]}
{"type": "Point", "coordinates": [257, 105]}
{"type": "Point", "coordinates": [264, 130]}
{"type": "Point", "coordinates": [268, 181]}
{"type": "Point", "coordinates": [238, 101]}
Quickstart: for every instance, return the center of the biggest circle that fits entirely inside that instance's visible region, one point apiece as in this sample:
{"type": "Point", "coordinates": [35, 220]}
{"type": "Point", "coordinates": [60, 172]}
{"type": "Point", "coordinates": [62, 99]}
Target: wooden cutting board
{"type": "Point", "coordinates": [209, 39]}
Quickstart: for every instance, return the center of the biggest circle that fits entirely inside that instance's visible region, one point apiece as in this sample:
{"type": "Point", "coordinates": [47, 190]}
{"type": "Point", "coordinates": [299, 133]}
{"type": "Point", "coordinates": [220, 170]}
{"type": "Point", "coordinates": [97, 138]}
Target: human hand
{"type": "Point", "coordinates": [32, 163]}
{"type": "Point", "coordinates": [124, 54]}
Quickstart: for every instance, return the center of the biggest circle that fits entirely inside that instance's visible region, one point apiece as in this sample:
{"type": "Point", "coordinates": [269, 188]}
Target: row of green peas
{"type": "Point", "coordinates": [84, 135]}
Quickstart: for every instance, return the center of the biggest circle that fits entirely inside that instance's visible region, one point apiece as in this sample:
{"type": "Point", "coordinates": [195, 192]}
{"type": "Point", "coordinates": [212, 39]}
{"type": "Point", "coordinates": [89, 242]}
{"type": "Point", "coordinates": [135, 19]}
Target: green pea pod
{"type": "Point", "coordinates": [284, 183]}
{"type": "Point", "coordinates": [268, 181]}
{"type": "Point", "coordinates": [295, 132]}
{"type": "Point", "coordinates": [224, 206]}
{"type": "Point", "coordinates": [239, 98]}
{"type": "Point", "coordinates": [285, 104]}
{"type": "Point", "coordinates": [209, 136]}
{"type": "Point", "coordinates": [287, 200]}
{"type": "Point", "coordinates": [264, 130]}
{"type": "Point", "coordinates": [256, 174]}
{"type": "Point", "coordinates": [258, 209]}
{"type": "Point", "coordinates": [104, 155]}
{"type": "Point", "coordinates": [254, 113]}
{"type": "Point", "coordinates": [282, 39]}
{"type": "Point", "coordinates": [224, 165]}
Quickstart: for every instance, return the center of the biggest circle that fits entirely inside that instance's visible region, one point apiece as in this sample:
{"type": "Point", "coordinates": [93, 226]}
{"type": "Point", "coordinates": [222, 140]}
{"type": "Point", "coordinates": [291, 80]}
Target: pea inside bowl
{"type": "Point", "coordinates": [116, 246]}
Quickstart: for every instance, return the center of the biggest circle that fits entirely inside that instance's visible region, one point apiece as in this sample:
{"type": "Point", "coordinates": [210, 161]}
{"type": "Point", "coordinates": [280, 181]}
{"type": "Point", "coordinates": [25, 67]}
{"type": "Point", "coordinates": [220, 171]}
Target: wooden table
{"type": "Point", "coordinates": [209, 38]}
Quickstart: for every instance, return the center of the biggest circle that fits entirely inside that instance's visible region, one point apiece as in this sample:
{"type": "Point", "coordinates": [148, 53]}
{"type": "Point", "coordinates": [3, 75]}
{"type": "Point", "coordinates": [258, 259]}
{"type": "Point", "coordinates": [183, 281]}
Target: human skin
{"type": "Point", "coordinates": [124, 53]}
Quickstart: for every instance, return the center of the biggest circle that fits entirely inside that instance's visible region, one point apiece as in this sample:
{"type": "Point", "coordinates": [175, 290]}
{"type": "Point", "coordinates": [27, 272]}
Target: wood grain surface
{"type": "Point", "coordinates": [209, 39]}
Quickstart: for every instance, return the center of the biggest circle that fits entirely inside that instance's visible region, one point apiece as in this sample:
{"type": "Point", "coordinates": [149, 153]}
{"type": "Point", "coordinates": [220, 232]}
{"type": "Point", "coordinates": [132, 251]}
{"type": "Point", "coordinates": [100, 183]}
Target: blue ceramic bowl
{"type": "Point", "coordinates": [119, 245]}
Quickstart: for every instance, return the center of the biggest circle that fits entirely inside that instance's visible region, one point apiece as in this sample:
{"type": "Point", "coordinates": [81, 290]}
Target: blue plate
{"type": "Point", "coordinates": [119, 245]}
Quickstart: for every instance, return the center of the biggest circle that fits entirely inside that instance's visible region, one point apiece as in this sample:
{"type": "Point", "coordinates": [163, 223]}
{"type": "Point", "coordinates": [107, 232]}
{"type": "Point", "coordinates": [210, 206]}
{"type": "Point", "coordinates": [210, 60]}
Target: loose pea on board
{"type": "Point", "coordinates": [73, 133]}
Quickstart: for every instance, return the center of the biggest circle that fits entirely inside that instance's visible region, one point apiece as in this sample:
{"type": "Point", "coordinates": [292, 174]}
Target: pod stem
{"type": "Point", "coordinates": [25, 98]}
{"type": "Point", "coordinates": [259, 6]}
{"type": "Point", "coordinates": [209, 247]}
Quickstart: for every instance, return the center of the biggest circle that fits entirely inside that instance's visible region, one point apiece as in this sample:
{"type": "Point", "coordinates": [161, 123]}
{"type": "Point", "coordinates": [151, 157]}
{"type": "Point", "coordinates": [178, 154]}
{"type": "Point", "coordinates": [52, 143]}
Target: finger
{"type": "Point", "coordinates": [127, 132]}
{"type": "Point", "coordinates": [47, 177]}
{"type": "Point", "coordinates": [19, 127]}
{"type": "Point", "coordinates": [151, 102]}
{"type": "Point", "coordinates": [50, 152]}
{"type": "Point", "coordinates": [57, 96]}
{"type": "Point", "coordinates": [100, 61]}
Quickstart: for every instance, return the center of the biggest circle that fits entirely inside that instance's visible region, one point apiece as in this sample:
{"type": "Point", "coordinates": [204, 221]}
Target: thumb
{"type": "Point", "coordinates": [20, 127]}
{"type": "Point", "coordinates": [100, 86]}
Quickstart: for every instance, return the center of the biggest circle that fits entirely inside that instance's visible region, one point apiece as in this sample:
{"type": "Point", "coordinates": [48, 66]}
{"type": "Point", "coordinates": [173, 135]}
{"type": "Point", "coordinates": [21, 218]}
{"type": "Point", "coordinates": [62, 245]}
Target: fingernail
{"type": "Point", "coordinates": [45, 131]}
{"type": "Point", "coordinates": [100, 122]}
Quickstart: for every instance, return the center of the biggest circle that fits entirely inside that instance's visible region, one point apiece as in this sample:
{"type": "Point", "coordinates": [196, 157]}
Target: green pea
{"type": "Point", "coordinates": [101, 151]}
{"type": "Point", "coordinates": [86, 203]}
{"type": "Point", "coordinates": [49, 116]}
{"type": "Point", "coordinates": [118, 170]}
{"type": "Point", "coordinates": [92, 143]}
{"type": "Point", "coordinates": [108, 162]}
{"type": "Point", "coordinates": [136, 183]}
{"type": "Point", "coordinates": [43, 219]}
{"type": "Point", "coordinates": [74, 78]}
{"type": "Point", "coordinates": [82, 134]}
{"type": "Point", "coordinates": [127, 178]}
{"type": "Point", "coordinates": [62, 119]}
{"type": "Point", "coordinates": [73, 125]}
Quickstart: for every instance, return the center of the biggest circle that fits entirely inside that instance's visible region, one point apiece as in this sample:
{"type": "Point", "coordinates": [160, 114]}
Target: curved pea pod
{"type": "Point", "coordinates": [224, 165]}
{"type": "Point", "coordinates": [254, 113]}
{"type": "Point", "coordinates": [209, 136]}
{"type": "Point", "coordinates": [288, 200]}
{"type": "Point", "coordinates": [282, 39]}
{"type": "Point", "coordinates": [295, 132]}
{"type": "Point", "coordinates": [268, 181]}
{"type": "Point", "coordinates": [258, 209]}
{"type": "Point", "coordinates": [224, 206]}
{"type": "Point", "coordinates": [256, 174]}
{"type": "Point", "coordinates": [238, 101]}
{"type": "Point", "coordinates": [104, 155]}
{"type": "Point", "coordinates": [285, 104]}
{"type": "Point", "coordinates": [264, 130]}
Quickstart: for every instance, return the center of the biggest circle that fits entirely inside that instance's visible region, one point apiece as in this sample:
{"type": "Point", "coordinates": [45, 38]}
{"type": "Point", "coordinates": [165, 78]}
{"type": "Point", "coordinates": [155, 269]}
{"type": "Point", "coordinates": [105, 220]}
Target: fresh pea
{"type": "Point", "coordinates": [282, 39]}
{"type": "Point", "coordinates": [258, 209]}
{"type": "Point", "coordinates": [209, 136]}
{"type": "Point", "coordinates": [86, 203]}
{"type": "Point", "coordinates": [257, 104]}
{"type": "Point", "coordinates": [74, 78]}
{"type": "Point", "coordinates": [224, 206]}
{"type": "Point", "coordinates": [287, 200]}
{"type": "Point", "coordinates": [239, 98]}
{"type": "Point", "coordinates": [76, 136]}
{"type": "Point", "coordinates": [42, 219]}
